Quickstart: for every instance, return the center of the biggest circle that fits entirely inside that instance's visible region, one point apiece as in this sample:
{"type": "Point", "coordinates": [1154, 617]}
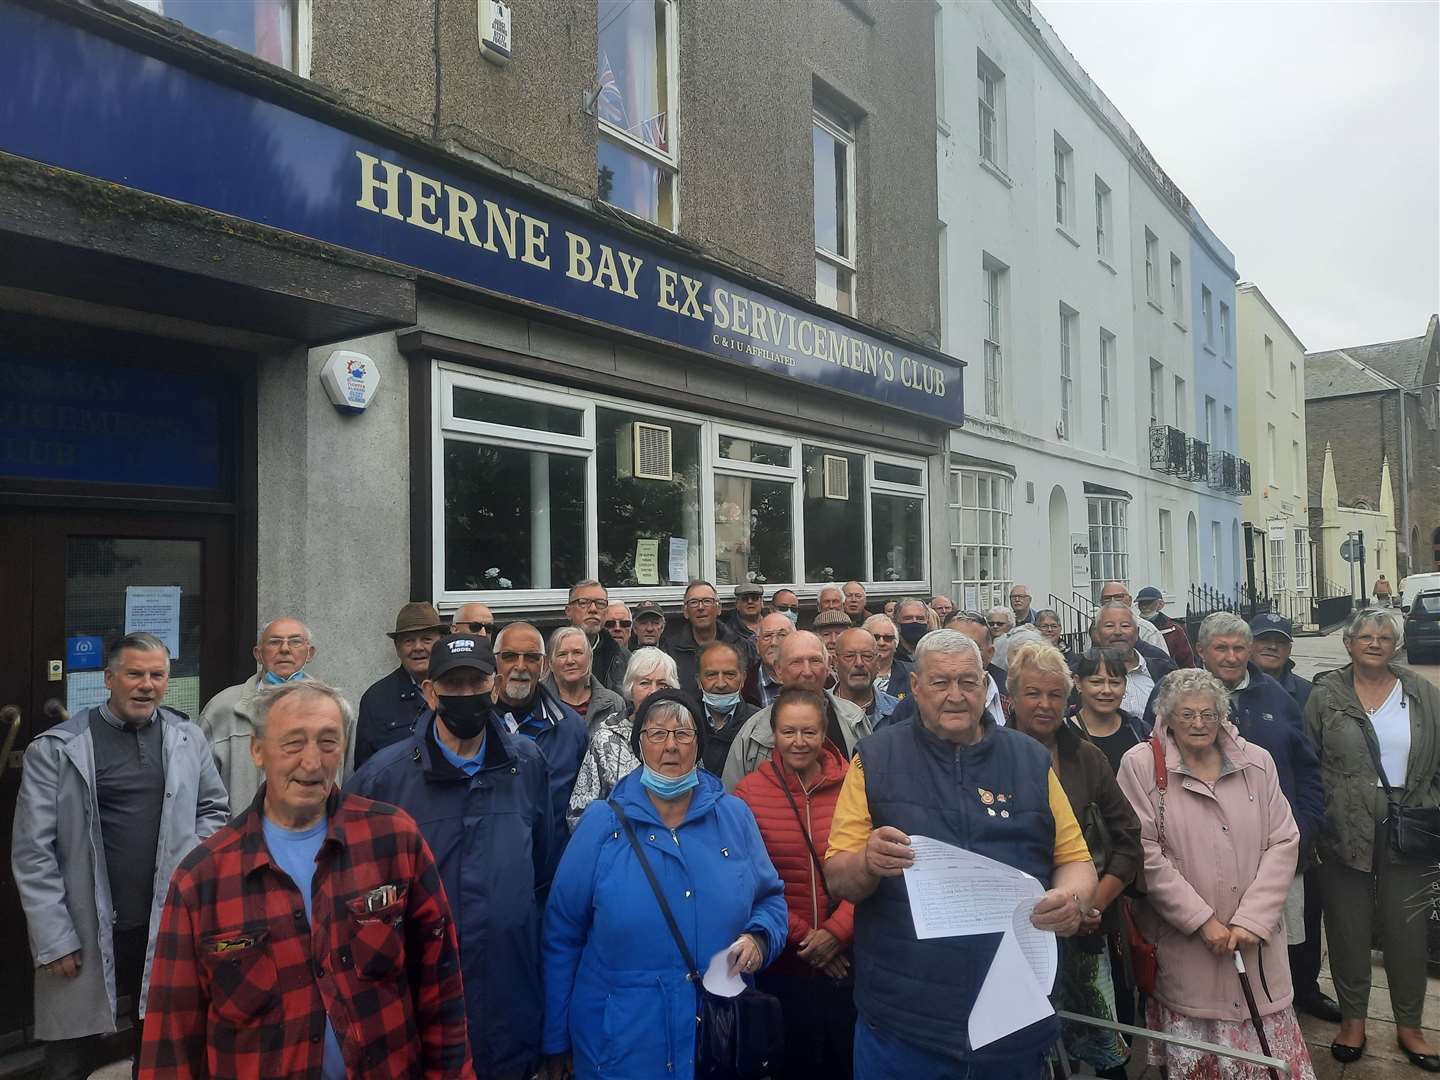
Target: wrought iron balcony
{"type": "Point", "coordinates": [1222, 471]}
{"type": "Point", "coordinates": [1199, 461]}
{"type": "Point", "coordinates": [1169, 450]}
{"type": "Point", "coordinates": [1242, 476]}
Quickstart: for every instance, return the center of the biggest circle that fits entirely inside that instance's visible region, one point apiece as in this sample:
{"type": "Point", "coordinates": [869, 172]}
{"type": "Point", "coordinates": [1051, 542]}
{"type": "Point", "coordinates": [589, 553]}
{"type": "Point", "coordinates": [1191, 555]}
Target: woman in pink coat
{"type": "Point", "coordinates": [1220, 850]}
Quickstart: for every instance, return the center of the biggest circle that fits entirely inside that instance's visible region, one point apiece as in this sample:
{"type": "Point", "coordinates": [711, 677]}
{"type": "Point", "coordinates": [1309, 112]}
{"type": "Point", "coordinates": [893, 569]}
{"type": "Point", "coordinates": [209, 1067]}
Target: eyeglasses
{"type": "Point", "coordinates": [771, 635]}
{"type": "Point", "coordinates": [701, 601]}
{"type": "Point", "coordinates": [292, 642]}
{"type": "Point", "coordinates": [1206, 716]}
{"type": "Point", "coordinates": [857, 657]}
{"type": "Point", "coordinates": [1373, 639]}
{"type": "Point", "coordinates": [484, 628]}
{"type": "Point", "coordinates": [968, 684]}
{"type": "Point", "coordinates": [617, 624]}
{"type": "Point", "coordinates": [590, 602]}
{"type": "Point", "coordinates": [510, 657]}
{"type": "Point", "coordinates": [884, 637]}
{"type": "Point", "coordinates": [660, 736]}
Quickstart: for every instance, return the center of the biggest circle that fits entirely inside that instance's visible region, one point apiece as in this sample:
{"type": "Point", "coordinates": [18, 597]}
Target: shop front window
{"type": "Point", "coordinates": [980, 512]}
{"type": "Point", "coordinates": [1109, 542]}
{"type": "Point", "coordinates": [834, 515]}
{"type": "Point", "coordinates": [648, 499]}
{"type": "Point", "coordinates": [754, 531]}
{"type": "Point", "coordinates": [514, 519]}
{"type": "Point", "coordinates": [262, 28]}
{"type": "Point", "coordinates": [897, 538]}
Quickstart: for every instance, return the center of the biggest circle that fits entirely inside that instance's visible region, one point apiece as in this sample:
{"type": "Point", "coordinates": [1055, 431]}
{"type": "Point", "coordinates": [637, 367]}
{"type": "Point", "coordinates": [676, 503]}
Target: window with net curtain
{"type": "Point", "coordinates": [631, 507]}
{"type": "Point", "coordinates": [754, 519]}
{"type": "Point", "coordinates": [980, 513]}
{"type": "Point", "coordinates": [262, 28]}
{"type": "Point", "coordinates": [633, 99]}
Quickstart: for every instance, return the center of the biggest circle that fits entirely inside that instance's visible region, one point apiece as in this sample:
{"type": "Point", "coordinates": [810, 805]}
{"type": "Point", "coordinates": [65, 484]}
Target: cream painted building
{"type": "Point", "coordinates": [1279, 559]}
{"type": "Point", "coordinates": [1334, 524]}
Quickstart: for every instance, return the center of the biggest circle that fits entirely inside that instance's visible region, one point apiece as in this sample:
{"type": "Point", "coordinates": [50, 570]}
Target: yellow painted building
{"type": "Point", "coordinates": [1271, 384]}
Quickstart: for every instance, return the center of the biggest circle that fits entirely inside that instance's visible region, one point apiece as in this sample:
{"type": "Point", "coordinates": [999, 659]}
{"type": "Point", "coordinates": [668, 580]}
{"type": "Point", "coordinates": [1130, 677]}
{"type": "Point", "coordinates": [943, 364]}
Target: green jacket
{"type": "Point", "coordinates": [1353, 801]}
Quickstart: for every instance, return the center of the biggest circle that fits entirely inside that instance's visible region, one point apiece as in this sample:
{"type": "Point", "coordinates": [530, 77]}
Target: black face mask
{"type": "Point", "coordinates": [464, 714]}
{"type": "Point", "coordinates": [912, 632]}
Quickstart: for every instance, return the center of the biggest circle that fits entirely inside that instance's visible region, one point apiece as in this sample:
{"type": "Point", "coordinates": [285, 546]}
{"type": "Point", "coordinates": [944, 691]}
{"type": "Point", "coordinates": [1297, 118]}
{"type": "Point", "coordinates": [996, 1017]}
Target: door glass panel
{"type": "Point", "coordinates": [116, 585]}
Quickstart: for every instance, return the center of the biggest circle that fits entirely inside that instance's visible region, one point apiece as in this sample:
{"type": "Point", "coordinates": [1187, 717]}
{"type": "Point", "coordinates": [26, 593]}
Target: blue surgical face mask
{"type": "Point", "coordinates": [721, 702]}
{"type": "Point", "coordinates": [272, 679]}
{"type": "Point", "coordinates": [793, 616]}
{"type": "Point", "coordinates": [668, 787]}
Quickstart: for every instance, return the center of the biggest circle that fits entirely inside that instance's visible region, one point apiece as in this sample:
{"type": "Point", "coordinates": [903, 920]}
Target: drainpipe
{"type": "Point", "coordinates": [1404, 486]}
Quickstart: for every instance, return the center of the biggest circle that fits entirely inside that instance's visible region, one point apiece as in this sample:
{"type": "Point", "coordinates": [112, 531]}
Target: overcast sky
{"type": "Point", "coordinates": [1307, 134]}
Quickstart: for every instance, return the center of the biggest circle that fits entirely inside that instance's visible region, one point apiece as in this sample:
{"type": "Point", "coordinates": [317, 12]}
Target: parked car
{"type": "Point", "coordinates": [1422, 629]}
{"type": "Point", "coordinates": [1414, 585]}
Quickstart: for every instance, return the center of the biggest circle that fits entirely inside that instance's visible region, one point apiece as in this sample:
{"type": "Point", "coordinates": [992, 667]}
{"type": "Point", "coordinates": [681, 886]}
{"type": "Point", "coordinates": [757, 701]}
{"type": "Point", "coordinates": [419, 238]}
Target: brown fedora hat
{"type": "Point", "coordinates": [416, 615]}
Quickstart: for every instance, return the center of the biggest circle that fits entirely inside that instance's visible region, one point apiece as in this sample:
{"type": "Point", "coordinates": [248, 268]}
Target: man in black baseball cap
{"type": "Point", "coordinates": [482, 798]}
{"type": "Point", "coordinates": [1274, 638]}
{"type": "Point", "coordinates": [1150, 601]}
{"type": "Point", "coordinates": [649, 624]}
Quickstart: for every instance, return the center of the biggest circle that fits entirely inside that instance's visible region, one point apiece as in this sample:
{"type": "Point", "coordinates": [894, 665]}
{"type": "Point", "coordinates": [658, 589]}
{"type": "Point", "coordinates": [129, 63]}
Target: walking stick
{"type": "Point", "coordinates": [1254, 1012]}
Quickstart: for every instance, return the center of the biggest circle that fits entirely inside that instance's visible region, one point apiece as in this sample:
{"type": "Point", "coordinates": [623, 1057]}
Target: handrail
{"type": "Point", "coordinates": [1283, 1067]}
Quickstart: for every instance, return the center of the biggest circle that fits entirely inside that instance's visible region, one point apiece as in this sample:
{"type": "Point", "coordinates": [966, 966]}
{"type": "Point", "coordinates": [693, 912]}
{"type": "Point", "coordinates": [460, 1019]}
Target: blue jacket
{"type": "Point", "coordinates": [1265, 714]}
{"type": "Point", "coordinates": [1295, 686]}
{"type": "Point", "coordinates": [494, 839]}
{"type": "Point", "coordinates": [562, 744]}
{"type": "Point", "coordinates": [616, 993]}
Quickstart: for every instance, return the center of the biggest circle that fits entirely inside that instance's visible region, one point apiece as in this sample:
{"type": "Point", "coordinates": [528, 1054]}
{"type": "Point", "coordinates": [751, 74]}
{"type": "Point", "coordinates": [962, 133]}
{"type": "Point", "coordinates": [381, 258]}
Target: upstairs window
{"type": "Point", "coordinates": [992, 286]}
{"type": "Point", "coordinates": [1177, 288]}
{"type": "Point", "coordinates": [1207, 317]}
{"type": "Point", "coordinates": [1104, 241]}
{"type": "Point", "coordinates": [1152, 267]}
{"type": "Point", "coordinates": [1067, 372]}
{"type": "Point", "coordinates": [273, 30]}
{"type": "Point", "coordinates": [1157, 392]}
{"type": "Point", "coordinates": [834, 146]}
{"type": "Point", "coordinates": [1107, 364]}
{"type": "Point", "coordinates": [992, 111]}
{"type": "Point", "coordinates": [635, 104]}
{"type": "Point", "coordinates": [1064, 184]}
{"type": "Point", "coordinates": [1225, 331]}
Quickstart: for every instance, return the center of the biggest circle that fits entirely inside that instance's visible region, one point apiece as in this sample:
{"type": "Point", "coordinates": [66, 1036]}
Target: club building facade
{"type": "Point", "coordinates": [327, 307]}
{"type": "Point", "coordinates": [1096, 309]}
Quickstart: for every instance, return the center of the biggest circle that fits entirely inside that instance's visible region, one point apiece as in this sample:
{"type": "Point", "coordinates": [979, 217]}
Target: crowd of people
{"type": "Point", "coordinates": [512, 859]}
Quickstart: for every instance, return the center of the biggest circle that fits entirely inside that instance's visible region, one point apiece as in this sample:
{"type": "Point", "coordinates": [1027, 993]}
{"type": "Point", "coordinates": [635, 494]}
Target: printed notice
{"type": "Point", "coordinates": [154, 609]}
{"type": "Point", "coordinates": [647, 562]}
{"type": "Point", "coordinates": [954, 892]}
{"type": "Point", "coordinates": [679, 560]}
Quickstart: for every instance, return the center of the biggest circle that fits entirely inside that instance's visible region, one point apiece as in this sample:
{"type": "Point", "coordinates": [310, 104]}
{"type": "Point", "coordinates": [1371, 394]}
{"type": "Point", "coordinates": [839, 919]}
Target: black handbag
{"type": "Point", "coordinates": [736, 1038]}
{"type": "Point", "coordinates": [1414, 830]}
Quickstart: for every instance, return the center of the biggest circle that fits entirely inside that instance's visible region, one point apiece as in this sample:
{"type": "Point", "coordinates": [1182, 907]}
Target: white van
{"type": "Point", "coordinates": [1414, 585]}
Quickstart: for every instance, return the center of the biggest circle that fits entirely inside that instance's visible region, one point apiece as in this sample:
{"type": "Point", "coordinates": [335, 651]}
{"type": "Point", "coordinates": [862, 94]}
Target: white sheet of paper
{"type": "Point", "coordinates": [154, 609]}
{"type": "Point", "coordinates": [1009, 998]}
{"type": "Point", "coordinates": [718, 979]}
{"type": "Point", "coordinates": [85, 690]}
{"type": "Point", "coordinates": [1039, 947]}
{"type": "Point", "coordinates": [954, 892]}
{"type": "Point", "coordinates": [679, 560]}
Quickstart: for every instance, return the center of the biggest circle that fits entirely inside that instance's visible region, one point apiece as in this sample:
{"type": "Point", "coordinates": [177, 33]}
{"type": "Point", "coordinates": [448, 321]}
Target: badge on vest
{"type": "Point", "coordinates": [989, 798]}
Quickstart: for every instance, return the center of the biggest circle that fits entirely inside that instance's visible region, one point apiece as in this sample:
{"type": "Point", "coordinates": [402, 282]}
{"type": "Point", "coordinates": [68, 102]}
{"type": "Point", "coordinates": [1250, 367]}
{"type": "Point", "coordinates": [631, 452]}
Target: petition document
{"type": "Point", "coordinates": [954, 892]}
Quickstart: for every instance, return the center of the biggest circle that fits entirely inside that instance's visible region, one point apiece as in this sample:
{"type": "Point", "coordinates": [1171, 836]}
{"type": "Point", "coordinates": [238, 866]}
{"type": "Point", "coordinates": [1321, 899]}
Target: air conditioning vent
{"type": "Point", "coordinates": [643, 452]}
{"type": "Point", "coordinates": [837, 478]}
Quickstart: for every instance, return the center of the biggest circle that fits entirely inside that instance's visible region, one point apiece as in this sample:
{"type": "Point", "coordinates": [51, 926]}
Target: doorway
{"type": "Point", "coordinates": [73, 582]}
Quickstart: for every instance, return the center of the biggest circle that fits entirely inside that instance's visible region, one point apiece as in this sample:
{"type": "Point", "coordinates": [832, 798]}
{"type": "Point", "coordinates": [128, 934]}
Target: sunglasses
{"type": "Point", "coordinates": [782, 608]}
{"type": "Point", "coordinates": [617, 624]}
{"type": "Point", "coordinates": [485, 628]}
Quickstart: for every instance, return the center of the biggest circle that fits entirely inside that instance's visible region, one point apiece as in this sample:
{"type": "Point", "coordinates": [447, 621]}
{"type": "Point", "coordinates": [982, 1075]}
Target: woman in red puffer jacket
{"type": "Point", "coordinates": [793, 798]}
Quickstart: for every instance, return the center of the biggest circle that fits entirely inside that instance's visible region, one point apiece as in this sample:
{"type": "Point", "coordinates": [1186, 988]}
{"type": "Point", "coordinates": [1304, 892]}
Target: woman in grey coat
{"type": "Point", "coordinates": [1370, 707]}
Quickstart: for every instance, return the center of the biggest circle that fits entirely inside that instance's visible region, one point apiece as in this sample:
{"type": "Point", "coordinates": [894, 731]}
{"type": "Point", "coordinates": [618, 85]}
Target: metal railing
{"type": "Point", "coordinates": [1282, 1067]}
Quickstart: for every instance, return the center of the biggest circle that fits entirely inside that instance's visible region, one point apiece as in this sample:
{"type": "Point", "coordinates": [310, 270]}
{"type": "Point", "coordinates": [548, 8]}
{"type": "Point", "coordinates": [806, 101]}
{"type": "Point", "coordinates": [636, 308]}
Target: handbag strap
{"type": "Point", "coordinates": [694, 972]}
{"type": "Point", "coordinates": [1162, 781]}
{"type": "Point", "coordinates": [1372, 743]}
{"type": "Point", "coordinates": [830, 903]}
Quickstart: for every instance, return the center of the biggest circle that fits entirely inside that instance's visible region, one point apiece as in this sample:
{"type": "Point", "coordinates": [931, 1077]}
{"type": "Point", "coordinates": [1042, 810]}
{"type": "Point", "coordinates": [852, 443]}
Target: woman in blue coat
{"type": "Point", "coordinates": [618, 1004]}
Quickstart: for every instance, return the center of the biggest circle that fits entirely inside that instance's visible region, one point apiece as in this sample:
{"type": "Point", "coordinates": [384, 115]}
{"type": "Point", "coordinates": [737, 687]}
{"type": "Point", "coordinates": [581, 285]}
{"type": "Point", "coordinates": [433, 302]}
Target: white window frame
{"type": "Point", "coordinates": [1269, 366]}
{"type": "Point", "coordinates": [1118, 529]}
{"type": "Point", "coordinates": [1294, 388]}
{"type": "Point", "coordinates": [1229, 430]}
{"type": "Point", "coordinates": [667, 160]}
{"type": "Point", "coordinates": [1210, 421]}
{"type": "Point", "coordinates": [1270, 457]}
{"type": "Point", "coordinates": [1064, 184]}
{"type": "Point", "coordinates": [1107, 365]}
{"type": "Point", "coordinates": [1068, 321]}
{"type": "Point", "coordinates": [1166, 534]}
{"type": "Point", "coordinates": [446, 376]}
{"type": "Point", "coordinates": [990, 103]}
{"type": "Point", "coordinates": [1277, 552]}
{"type": "Point", "coordinates": [1295, 467]}
{"type": "Point", "coordinates": [1177, 290]}
{"type": "Point", "coordinates": [998, 587]}
{"type": "Point", "coordinates": [840, 129]}
{"type": "Point", "coordinates": [1104, 226]}
{"type": "Point", "coordinates": [1207, 319]}
{"type": "Point", "coordinates": [1157, 391]}
{"type": "Point", "coordinates": [1225, 331]}
{"type": "Point", "coordinates": [1302, 559]}
{"type": "Point", "coordinates": [1152, 271]}
{"type": "Point", "coordinates": [1182, 403]}
{"type": "Point", "coordinates": [992, 372]}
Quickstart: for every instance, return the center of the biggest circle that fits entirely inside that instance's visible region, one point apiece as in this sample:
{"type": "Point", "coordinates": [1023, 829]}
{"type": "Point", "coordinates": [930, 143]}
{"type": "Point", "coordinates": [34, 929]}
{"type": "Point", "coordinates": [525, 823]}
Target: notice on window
{"type": "Point", "coordinates": [85, 690]}
{"type": "Point", "coordinates": [679, 560]}
{"type": "Point", "coordinates": [972, 597]}
{"type": "Point", "coordinates": [647, 562]}
{"type": "Point", "coordinates": [154, 609]}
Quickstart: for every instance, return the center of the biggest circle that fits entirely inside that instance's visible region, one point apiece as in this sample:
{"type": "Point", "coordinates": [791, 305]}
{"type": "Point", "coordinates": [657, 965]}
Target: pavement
{"type": "Point", "coordinates": [1382, 1060]}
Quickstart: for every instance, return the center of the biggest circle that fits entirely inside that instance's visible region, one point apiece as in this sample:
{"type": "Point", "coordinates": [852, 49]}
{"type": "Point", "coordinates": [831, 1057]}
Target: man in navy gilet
{"type": "Point", "coordinates": [952, 774]}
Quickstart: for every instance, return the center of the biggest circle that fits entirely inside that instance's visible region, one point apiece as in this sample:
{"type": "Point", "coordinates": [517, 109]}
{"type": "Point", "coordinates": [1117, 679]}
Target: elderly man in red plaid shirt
{"type": "Point", "coordinates": [311, 936]}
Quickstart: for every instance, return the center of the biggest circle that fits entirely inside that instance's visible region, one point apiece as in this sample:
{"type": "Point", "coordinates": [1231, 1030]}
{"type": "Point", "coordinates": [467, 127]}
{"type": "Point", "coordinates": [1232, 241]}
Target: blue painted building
{"type": "Point", "coordinates": [1216, 402]}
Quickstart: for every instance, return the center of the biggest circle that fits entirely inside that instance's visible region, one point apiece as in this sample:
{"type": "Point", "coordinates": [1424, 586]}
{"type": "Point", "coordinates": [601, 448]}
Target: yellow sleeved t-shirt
{"type": "Point", "coordinates": [851, 826]}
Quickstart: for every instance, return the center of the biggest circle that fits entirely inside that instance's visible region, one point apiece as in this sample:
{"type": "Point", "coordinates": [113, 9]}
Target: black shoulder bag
{"type": "Point", "coordinates": [737, 1038]}
{"type": "Point", "coordinates": [1414, 830]}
